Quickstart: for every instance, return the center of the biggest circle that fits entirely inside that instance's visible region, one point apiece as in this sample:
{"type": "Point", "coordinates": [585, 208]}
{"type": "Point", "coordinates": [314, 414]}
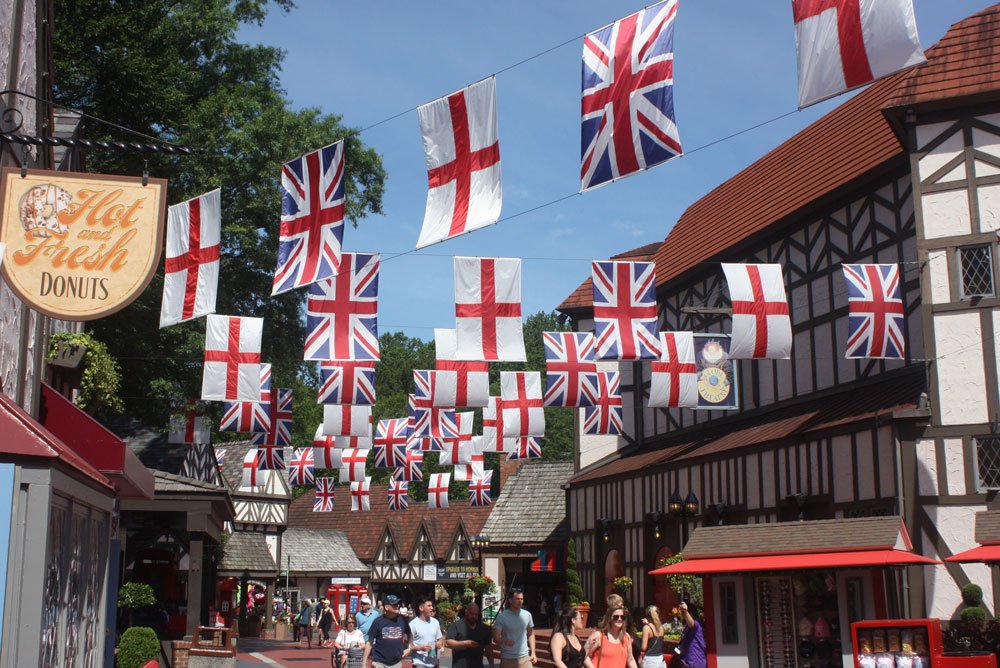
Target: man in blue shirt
{"type": "Point", "coordinates": [389, 637]}
{"type": "Point", "coordinates": [513, 631]}
{"type": "Point", "coordinates": [365, 616]}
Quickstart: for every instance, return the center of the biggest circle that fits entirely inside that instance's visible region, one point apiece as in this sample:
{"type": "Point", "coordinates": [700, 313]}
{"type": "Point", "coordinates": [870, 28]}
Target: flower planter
{"type": "Point", "coordinates": [584, 609]}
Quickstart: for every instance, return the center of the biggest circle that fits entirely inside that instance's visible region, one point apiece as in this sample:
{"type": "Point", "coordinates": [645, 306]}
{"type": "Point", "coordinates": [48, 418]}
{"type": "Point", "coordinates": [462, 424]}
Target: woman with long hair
{"type": "Point", "coordinates": [567, 650]}
{"type": "Point", "coordinates": [610, 645]}
{"type": "Point", "coordinates": [652, 639]}
{"type": "Point", "coordinates": [350, 637]}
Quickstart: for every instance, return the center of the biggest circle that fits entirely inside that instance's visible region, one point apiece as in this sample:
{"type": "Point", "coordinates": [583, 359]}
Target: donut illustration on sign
{"type": "Point", "coordinates": [40, 207]}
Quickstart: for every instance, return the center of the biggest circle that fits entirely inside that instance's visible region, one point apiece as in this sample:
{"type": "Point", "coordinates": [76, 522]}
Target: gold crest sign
{"type": "Point", "coordinates": [79, 246]}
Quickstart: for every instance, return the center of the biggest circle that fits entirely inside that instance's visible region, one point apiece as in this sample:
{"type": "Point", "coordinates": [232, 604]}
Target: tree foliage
{"type": "Point", "coordinates": [176, 71]}
{"type": "Point", "coordinates": [102, 376]}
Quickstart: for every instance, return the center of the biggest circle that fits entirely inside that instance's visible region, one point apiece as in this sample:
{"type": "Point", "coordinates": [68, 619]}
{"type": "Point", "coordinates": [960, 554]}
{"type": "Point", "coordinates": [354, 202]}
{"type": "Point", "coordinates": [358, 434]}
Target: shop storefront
{"type": "Point", "coordinates": [784, 595]}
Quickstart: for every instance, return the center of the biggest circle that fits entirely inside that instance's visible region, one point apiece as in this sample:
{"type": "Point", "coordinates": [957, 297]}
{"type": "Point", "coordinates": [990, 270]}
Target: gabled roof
{"type": "Point", "coordinates": [320, 552]}
{"type": "Point", "coordinates": [364, 529]}
{"type": "Point", "coordinates": [247, 551]}
{"type": "Point", "coordinates": [583, 296]}
{"type": "Point", "coordinates": [232, 472]}
{"type": "Point", "coordinates": [532, 506]}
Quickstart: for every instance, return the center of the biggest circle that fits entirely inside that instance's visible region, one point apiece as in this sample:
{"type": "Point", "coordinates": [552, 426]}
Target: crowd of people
{"type": "Point", "coordinates": [386, 635]}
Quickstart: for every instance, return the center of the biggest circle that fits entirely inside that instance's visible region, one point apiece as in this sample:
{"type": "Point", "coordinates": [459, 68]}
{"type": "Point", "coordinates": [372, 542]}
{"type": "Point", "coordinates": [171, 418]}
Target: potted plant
{"type": "Point", "coordinates": [481, 585]}
{"type": "Point", "coordinates": [134, 595]}
{"type": "Point", "coordinates": [574, 592]}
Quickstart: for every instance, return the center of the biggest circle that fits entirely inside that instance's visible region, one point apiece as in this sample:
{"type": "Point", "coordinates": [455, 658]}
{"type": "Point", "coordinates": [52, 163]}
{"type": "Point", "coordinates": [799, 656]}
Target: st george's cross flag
{"type": "Point", "coordinates": [524, 448]}
{"type": "Point", "coordinates": [412, 467]}
{"type": "Point", "coordinates": [312, 218]}
{"type": "Point", "coordinates": [325, 491]}
{"type": "Point", "coordinates": [762, 328]}
{"type": "Point", "coordinates": [470, 462]}
{"type": "Point", "coordinates": [361, 494]}
{"type": "Point", "coordinates": [347, 382]}
{"type": "Point", "coordinates": [521, 394]}
{"type": "Point", "coordinates": [440, 386]}
{"type": "Point", "coordinates": [628, 121]}
{"type": "Point", "coordinates": [570, 370]}
{"type": "Point", "coordinates": [843, 44]}
{"type": "Point", "coordinates": [252, 417]}
{"type": "Point", "coordinates": [347, 420]}
{"type": "Point", "coordinates": [399, 498]}
{"type": "Point", "coordinates": [493, 439]}
{"type": "Point", "coordinates": [325, 452]}
{"type": "Point", "coordinates": [625, 320]}
{"type": "Point", "coordinates": [189, 425]}
{"type": "Point", "coordinates": [437, 490]}
{"type": "Point", "coordinates": [348, 442]}
{"type": "Point", "coordinates": [488, 309]}
{"type": "Point", "coordinates": [280, 432]}
{"type": "Point", "coordinates": [191, 270]}
{"type": "Point", "coordinates": [449, 445]}
{"type": "Point", "coordinates": [875, 311]}
{"type": "Point", "coordinates": [479, 490]}
{"type": "Point", "coordinates": [605, 417]}
{"type": "Point", "coordinates": [674, 377]}
{"type": "Point", "coordinates": [342, 312]}
{"type": "Point", "coordinates": [471, 379]}
{"type": "Point", "coordinates": [232, 359]}
{"type": "Point", "coordinates": [302, 469]}
{"type": "Point", "coordinates": [252, 475]}
{"type": "Point", "coordinates": [353, 464]}
{"type": "Point", "coordinates": [463, 162]}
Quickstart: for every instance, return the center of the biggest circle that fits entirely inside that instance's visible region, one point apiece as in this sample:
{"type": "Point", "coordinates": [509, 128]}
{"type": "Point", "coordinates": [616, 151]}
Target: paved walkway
{"type": "Point", "coordinates": [255, 653]}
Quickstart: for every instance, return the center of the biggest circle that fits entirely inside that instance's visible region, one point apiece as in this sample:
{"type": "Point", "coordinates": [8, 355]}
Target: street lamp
{"type": "Point", "coordinates": [683, 509]}
{"type": "Point", "coordinates": [479, 543]}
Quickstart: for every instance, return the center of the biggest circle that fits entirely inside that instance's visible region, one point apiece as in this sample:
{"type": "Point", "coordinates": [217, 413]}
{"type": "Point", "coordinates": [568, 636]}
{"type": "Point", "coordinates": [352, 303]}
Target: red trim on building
{"type": "Point", "coordinates": [981, 553]}
{"type": "Point", "coordinates": [802, 561]}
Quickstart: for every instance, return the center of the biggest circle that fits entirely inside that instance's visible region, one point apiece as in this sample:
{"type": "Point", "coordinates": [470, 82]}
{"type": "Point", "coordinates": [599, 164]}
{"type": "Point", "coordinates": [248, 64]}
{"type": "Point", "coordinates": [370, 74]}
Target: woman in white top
{"type": "Point", "coordinates": [349, 637]}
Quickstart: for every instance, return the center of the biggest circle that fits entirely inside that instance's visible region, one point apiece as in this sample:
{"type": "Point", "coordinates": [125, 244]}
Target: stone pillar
{"type": "Point", "coordinates": [196, 557]}
{"type": "Point", "coordinates": [268, 605]}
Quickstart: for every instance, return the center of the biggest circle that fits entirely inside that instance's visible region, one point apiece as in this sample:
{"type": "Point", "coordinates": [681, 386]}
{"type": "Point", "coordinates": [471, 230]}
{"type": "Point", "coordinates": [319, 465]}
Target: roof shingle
{"type": "Point", "coordinates": [246, 551]}
{"type": "Point", "coordinates": [322, 551]}
{"type": "Point", "coordinates": [532, 506]}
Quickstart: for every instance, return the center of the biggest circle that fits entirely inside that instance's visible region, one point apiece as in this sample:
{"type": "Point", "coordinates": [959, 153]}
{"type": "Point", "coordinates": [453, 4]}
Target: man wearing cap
{"type": "Point", "coordinates": [365, 616]}
{"type": "Point", "coordinates": [388, 637]}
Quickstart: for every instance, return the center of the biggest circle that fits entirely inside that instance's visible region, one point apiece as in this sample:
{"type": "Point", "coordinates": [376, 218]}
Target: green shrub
{"type": "Point", "coordinates": [972, 595]}
{"type": "Point", "coordinates": [139, 644]}
{"type": "Point", "coordinates": [973, 615]}
{"type": "Point", "coordinates": [574, 592]}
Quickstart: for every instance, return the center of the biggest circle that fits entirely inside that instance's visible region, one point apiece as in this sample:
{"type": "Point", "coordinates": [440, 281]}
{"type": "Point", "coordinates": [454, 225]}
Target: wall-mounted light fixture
{"type": "Point", "coordinates": [605, 526]}
{"type": "Point", "coordinates": [655, 518]}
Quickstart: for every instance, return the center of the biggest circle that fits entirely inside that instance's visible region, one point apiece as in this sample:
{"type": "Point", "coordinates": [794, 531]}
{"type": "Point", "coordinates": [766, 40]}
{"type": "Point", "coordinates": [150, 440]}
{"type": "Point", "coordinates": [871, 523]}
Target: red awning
{"type": "Point", "coordinates": [981, 553]}
{"type": "Point", "coordinates": [96, 444]}
{"type": "Point", "coordinates": [786, 562]}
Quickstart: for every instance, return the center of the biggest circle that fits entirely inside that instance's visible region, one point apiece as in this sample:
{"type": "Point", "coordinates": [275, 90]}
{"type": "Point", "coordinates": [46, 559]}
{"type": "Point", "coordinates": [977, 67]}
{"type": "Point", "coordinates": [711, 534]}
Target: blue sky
{"type": "Point", "coordinates": [366, 61]}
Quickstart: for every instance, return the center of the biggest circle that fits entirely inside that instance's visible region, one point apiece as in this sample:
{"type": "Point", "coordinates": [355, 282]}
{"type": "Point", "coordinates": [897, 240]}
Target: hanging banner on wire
{"type": "Point", "coordinates": [79, 246]}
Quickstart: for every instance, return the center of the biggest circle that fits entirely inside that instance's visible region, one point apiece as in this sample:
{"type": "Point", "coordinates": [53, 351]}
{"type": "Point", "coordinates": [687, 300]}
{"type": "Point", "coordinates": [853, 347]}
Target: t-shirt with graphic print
{"type": "Point", "coordinates": [389, 637]}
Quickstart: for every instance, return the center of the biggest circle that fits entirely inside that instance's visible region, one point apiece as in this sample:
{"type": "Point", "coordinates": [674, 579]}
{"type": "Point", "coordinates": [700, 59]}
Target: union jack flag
{"type": "Point", "coordinates": [271, 457]}
{"type": "Point", "coordinates": [347, 382]}
{"type": "Point", "coordinates": [449, 446]}
{"type": "Point", "coordinates": [523, 448]}
{"type": "Point", "coordinates": [312, 218]}
{"type": "Point", "coordinates": [570, 369]}
{"type": "Point", "coordinates": [390, 456]}
{"type": "Point", "coordinates": [399, 498]}
{"type": "Point", "coordinates": [479, 490]}
{"type": "Point", "coordinates": [430, 421]}
{"type": "Point", "coordinates": [280, 432]}
{"type": "Point", "coordinates": [220, 457]}
{"type": "Point", "coordinates": [361, 494]}
{"type": "Point", "coordinates": [628, 122]}
{"type": "Point", "coordinates": [625, 324]}
{"type": "Point", "coordinates": [876, 313]}
{"type": "Point", "coordinates": [302, 470]}
{"type": "Point", "coordinates": [391, 437]}
{"type": "Point", "coordinates": [342, 312]}
{"type": "Point", "coordinates": [412, 467]}
{"type": "Point", "coordinates": [606, 416]}
{"type": "Point", "coordinates": [325, 488]}
{"type": "Point", "coordinates": [250, 416]}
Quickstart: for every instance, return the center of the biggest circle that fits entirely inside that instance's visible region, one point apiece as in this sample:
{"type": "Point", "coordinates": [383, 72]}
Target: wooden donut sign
{"type": "Point", "coordinates": [79, 246]}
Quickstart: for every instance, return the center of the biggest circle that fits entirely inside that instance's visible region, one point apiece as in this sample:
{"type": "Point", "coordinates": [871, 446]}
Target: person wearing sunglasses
{"type": "Point", "coordinates": [611, 644]}
{"type": "Point", "coordinates": [350, 637]}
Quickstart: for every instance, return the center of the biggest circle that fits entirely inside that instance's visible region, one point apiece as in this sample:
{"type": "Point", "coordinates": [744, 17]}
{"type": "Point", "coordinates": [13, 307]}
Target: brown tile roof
{"type": "Point", "coordinates": [988, 527]}
{"type": "Point", "coordinates": [583, 296]}
{"type": "Point", "coordinates": [962, 64]}
{"type": "Point", "coordinates": [862, 533]}
{"type": "Point", "coordinates": [849, 406]}
{"type": "Point", "coordinates": [364, 529]}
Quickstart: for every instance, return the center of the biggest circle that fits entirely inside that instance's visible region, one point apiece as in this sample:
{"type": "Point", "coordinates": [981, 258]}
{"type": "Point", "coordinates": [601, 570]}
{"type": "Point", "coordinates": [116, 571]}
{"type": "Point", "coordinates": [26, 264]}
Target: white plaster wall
{"type": "Point", "coordinates": [996, 340]}
{"type": "Point", "coordinates": [947, 150]}
{"type": "Point", "coordinates": [954, 459]}
{"type": "Point", "coordinates": [989, 204]}
{"type": "Point", "coordinates": [946, 214]}
{"type": "Point", "coordinates": [272, 547]}
{"type": "Point", "coordinates": [736, 655]}
{"type": "Point", "coordinates": [956, 527]}
{"type": "Point", "coordinates": [927, 475]}
{"type": "Point", "coordinates": [959, 347]}
{"type": "Point", "coordinates": [937, 265]}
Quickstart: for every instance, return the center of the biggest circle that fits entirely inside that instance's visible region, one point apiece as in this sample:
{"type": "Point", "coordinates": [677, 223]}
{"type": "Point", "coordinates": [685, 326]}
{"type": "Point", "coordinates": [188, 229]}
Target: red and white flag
{"type": "Point", "coordinates": [493, 440]}
{"type": "Point", "coordinates": [191, 272]}
{"type": "Point", "coordinates": [843, 44]}
{"type": "Point", "coordinates": [361, 494]}
{"type": "Point", "coordinates": [479, 490]}
{"type": "Point", "coordinates": [399, 498]}
{"type": "Point", "coordinates": [232, 358]}
{"type": "Point", "coordinates": [605, 416]}
{"type": "Point", "coordinates": [325, 451]}
{"type": "Point", "coordinates": [189, 425]}
{"type": "Point", "coordinates": [521, 394]}
{"type": "Point", "coordinates": [472, 379]}
{"type": "Point", "coordinates": [488, 309]}
{"type": "Point", "coordinates": [437, 490]}
{"type": "Point", "coordinates": [463, 162]}
{"type": "Point", "coordinates": [353, 464]}
{"type": "Point", "coordinates": [252, 475]}
{"type": "Point", "coordinates": [325, 492]}
{"type": "Point", "coordinates": [762, 328]}
{"type": "Point", "coordinates": [348, 442]}
{"type": "Point", "coordinates": [524, 448]}
{"type": "Point", "coordinates": [412, 467]}
{"type": "Point", "coordinates": [470, 462]}
{"type": "Point", "coordinates": [347, 420]}
{"type": "Point", "coordinates": [674, 380]}
{"type": "Point", "coordinates": [449, 445]}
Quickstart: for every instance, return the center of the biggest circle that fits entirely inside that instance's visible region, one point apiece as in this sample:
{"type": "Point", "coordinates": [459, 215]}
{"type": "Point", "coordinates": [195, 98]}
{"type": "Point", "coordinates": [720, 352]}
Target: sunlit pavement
{"type": "Point", "coordinates": [252, 652]}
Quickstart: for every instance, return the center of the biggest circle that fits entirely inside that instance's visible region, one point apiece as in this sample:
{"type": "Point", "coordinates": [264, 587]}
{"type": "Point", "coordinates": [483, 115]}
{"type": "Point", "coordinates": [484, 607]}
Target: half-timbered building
{"type": "Point", "coordinates": [905, 172]}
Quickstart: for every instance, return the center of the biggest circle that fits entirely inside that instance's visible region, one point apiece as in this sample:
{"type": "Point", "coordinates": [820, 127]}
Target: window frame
{"type": "Point", "coordinates": [960, 254]}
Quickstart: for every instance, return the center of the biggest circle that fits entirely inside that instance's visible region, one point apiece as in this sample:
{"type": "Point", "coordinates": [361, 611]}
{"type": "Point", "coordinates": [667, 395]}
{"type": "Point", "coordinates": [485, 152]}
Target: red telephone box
{"type": "Point", "coordinates": [344, 600]}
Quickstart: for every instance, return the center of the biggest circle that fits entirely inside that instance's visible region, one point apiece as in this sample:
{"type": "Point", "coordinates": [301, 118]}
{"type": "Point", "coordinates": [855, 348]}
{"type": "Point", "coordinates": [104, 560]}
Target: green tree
{"type": "Point", "coordinates": [134, 595]}
{"type": "Point", "coordinates": [176, 71]}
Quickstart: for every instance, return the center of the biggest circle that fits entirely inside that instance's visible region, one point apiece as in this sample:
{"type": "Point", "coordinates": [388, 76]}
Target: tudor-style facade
{"type": "Point", "coordinates": [880, 179]}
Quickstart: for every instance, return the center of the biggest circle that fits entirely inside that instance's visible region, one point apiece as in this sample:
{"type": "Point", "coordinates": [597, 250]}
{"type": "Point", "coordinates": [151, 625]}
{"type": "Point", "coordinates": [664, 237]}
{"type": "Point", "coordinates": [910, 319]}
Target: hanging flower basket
{"type": "Point", "coordinates": [481, 585]}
